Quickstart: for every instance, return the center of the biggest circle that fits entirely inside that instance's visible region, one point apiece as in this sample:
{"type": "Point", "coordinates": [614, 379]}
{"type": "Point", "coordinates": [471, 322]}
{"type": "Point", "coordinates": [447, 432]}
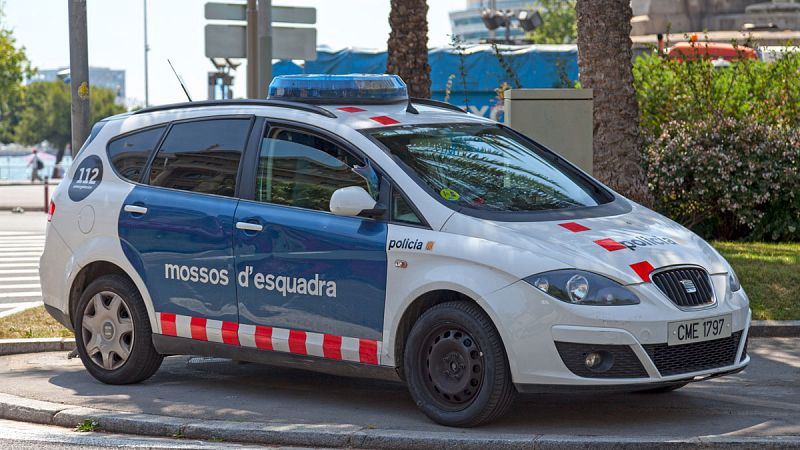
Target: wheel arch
{"type": "Point", "coordinates": [85, 276]}
{"type": "Point", "coordinates": [422, 303]}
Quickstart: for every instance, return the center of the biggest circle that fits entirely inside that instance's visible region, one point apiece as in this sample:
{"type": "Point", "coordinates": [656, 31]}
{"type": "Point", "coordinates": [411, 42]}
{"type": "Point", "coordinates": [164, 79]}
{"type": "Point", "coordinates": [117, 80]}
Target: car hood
{"type": "Point", "coordinates": [624, 247]}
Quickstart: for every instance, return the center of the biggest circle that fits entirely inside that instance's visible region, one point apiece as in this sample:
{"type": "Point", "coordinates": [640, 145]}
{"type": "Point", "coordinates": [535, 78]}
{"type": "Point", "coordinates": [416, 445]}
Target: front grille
{"type": "Point", "coordinates": [686, 358]}
{"type": "Point", "coordinates": [625, 362]}
{"type": "Point", "coordinates": [678, 284]}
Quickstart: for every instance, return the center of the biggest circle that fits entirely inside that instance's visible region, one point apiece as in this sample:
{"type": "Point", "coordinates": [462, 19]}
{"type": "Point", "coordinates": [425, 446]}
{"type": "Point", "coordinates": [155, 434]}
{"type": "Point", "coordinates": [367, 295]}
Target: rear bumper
{"type": "Point", "coordinates": [59, 315]}
{"type": "Point", "coordinates": [55, 268]}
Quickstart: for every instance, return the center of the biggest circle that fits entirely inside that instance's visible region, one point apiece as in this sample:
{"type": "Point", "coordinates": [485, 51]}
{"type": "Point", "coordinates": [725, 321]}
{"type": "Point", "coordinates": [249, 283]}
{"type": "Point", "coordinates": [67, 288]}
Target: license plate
{"type": "Point", "coordinates": [689, 331]}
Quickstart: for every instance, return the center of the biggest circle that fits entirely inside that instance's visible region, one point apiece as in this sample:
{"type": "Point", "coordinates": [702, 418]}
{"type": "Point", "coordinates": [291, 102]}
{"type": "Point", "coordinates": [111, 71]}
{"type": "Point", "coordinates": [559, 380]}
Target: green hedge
{"type": "Point", "coordinates": [728, 178]}
{"type": "Point", "coordinates": [671, 90]}
{"type": "Point", "coordinates": [722, 145]}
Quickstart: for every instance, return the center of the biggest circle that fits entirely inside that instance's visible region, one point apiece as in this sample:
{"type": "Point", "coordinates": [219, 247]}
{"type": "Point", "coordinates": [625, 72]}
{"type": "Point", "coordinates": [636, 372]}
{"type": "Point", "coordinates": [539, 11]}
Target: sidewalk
{"type": "Point", "coordinates": [29, 197]}
{"type": "Point", "coordinates": [203, 398]}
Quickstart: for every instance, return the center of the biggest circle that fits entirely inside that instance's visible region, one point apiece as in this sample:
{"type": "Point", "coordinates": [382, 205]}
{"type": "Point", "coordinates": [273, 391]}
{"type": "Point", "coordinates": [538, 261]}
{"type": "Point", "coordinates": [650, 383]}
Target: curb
{"type": "Point", "coordinates": [775, 328]}
{"type": "Point", "coordinates": [15, 346]}
{"type": "Point", "coordinates": [352, 436]}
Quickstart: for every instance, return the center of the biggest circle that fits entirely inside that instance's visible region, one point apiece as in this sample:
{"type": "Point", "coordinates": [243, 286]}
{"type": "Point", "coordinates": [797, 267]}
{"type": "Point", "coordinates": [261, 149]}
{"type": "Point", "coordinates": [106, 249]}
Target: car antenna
{"type": "Point", "coordinates": [179, 80]}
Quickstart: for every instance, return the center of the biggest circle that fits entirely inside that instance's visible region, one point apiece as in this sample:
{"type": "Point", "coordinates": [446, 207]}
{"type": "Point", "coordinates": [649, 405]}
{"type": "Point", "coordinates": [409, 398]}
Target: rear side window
{"type": "Point", "coordinates": [201, 156]}
{"type": "Point", "coordinates": [129, 153]}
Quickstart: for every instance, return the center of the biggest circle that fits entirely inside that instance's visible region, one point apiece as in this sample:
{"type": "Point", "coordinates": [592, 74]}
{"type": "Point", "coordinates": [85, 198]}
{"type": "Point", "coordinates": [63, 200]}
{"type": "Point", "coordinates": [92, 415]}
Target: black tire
{"type": "Point", "coordinates": [142, 360]}
{"type": "Point", "coordinates": [664, 389]}
{"type": "Point", "coordinates": [452, 336]}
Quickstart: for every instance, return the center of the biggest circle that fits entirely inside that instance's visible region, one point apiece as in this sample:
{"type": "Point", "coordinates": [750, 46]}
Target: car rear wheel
{"type": "Point", "coordinates": [456, 366]}
{"type": "Point", "coordinates": [112, 332]}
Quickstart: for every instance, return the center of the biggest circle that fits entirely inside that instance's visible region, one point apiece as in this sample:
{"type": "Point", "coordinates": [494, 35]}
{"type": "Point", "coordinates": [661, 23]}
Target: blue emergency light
{"type": "Point", "coordinates": [339, 89]}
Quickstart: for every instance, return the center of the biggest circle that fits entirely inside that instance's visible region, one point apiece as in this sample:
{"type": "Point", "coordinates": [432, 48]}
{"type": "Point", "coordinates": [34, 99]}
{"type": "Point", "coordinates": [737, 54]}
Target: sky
{"type": "Point", "coordinates": [176, 31]}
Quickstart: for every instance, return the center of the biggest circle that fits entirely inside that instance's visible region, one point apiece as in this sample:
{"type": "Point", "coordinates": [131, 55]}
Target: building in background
{"type": "Point", "coordinates": [468, 26]}
{"type": "Point", "coordinates": [98, 76]}
{"type": "Point", "coordinates": [769, 22]}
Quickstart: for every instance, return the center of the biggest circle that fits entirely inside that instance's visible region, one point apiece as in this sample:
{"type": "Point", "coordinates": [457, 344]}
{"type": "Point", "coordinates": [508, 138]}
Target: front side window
{"type": "Point", "coordinates": [485, 167]}
{"type": "Point", "coordinates": [201, 156]}
{"type": "Point", "coordinates": [303, 170]}
{"type": "Point", "coordinates": [402, 211]}
{"type": "Point", "coordinates": [129, 153]}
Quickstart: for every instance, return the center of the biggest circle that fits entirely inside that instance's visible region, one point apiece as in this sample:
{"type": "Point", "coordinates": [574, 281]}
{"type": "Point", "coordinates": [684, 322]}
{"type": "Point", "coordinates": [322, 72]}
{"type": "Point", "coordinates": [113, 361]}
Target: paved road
{"type": "Point", "coordinates": [762, 401]}
{"type": "Point", "coordinates": [25, 436]}
{"type": "Point", "coordinates": [21, 245]}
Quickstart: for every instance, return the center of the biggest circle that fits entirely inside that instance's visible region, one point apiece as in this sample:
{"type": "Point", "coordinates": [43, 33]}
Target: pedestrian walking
{"type": "Point", "coordinates": [36, 165]}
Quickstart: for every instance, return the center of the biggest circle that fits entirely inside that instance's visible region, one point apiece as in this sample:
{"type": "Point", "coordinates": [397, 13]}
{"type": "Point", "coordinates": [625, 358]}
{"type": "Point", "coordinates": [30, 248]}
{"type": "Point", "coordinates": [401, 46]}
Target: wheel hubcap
{"type": "Point", "coordinates": [453, 366]}
{"type": "Point", "coordinates": [107, 330]}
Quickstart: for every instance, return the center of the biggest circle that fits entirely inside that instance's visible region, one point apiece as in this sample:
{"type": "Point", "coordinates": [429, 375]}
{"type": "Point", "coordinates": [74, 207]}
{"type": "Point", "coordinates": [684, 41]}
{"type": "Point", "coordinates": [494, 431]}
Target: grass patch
{"type": "Point", "coordinates": [31, 323]}
{"type": "Point", "coordinates": [770, 274]}
{"type": "Point", "coordinates": [87, 425]}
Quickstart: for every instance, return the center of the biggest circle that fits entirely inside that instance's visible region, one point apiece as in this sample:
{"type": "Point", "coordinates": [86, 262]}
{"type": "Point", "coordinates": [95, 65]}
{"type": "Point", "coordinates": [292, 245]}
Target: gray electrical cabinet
{"type": "Point", "coordinates": [560, 119]}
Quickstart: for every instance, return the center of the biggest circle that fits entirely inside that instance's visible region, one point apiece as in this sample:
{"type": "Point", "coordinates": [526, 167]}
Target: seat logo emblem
{"type": "Point", "coordinates": [688, 286]}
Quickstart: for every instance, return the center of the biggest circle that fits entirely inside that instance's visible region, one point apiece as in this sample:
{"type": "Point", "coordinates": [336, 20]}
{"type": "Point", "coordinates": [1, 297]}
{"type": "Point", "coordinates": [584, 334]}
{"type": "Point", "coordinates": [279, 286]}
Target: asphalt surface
{"type": "Point", "coordinates": [762, 401]}
{"type": "Point", "coordinates": [21, 245]}
{"type": "Point", "coordinates": [26, 436]}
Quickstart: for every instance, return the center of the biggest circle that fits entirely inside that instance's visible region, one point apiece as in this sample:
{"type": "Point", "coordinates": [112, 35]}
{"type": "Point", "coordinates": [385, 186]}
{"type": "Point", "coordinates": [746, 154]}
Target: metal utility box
{"type": "Point", "coordinates": [560, 119]}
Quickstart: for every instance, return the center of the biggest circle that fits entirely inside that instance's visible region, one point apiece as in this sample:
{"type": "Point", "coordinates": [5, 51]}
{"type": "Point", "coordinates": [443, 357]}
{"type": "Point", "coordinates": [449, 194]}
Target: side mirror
{"type": "Point", "coordinates": [354, 201]}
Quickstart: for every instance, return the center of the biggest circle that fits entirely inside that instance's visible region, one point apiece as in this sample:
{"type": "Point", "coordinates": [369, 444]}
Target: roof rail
{"type": "Point", "coordinates": [436, 104]}
{"type": "Point", "coordinates": [243, 102]}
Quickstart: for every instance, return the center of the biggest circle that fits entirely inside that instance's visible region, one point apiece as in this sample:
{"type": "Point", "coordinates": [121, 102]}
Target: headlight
{"type": "Point", "coordinates": [733, 281]}
{"type": "Point", "coordinates": [583, 288]}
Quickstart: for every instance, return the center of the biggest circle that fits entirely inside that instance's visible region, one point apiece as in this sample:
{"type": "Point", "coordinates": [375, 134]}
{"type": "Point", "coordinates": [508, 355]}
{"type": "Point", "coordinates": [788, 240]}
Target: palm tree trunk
{"type": "Point", "coordinates": [604, 59]}
{"type": "Point", "coordinates": [408, 46]}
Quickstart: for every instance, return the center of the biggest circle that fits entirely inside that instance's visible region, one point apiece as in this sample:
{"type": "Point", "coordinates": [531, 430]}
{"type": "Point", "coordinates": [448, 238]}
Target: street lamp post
{"type": "Point", "coordinates": [494, 18]}
{"type": "Point", "coordinates": [146, 51]}
{"type": "Point", "coordinates": [78, 73]}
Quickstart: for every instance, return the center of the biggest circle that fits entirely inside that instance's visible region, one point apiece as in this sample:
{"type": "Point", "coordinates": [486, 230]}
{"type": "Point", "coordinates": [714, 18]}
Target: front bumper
{"type": "Point", "coordinates": [547, 340]}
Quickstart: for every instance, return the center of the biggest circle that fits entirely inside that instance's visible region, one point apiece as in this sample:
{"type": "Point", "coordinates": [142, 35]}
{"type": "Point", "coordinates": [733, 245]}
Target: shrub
{"type": "Point", "coordinates": [728, 178]}
{"type": "Point", "coordinates": [671, 90]}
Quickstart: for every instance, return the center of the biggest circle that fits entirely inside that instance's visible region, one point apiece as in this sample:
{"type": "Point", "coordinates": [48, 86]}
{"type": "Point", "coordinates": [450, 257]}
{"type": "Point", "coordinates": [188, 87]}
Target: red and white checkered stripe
{"type": "Point", "coordinates": [329, 346]}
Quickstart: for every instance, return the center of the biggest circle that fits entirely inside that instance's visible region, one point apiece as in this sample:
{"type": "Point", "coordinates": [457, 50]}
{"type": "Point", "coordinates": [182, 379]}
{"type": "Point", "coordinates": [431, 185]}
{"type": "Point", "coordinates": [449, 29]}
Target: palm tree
{"type": "Point", "coordinates": [408, 46]}
{"type": "Point", "coordinates": [604, 60]}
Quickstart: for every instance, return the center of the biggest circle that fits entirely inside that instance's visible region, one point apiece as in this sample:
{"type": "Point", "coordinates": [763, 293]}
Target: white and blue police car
{"type": "Point", "coordinates": [341, 226]}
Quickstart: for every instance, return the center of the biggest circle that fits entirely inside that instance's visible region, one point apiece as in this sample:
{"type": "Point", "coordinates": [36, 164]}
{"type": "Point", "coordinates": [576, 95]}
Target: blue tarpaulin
{"type": "Point", "coordinates": [528, 66]}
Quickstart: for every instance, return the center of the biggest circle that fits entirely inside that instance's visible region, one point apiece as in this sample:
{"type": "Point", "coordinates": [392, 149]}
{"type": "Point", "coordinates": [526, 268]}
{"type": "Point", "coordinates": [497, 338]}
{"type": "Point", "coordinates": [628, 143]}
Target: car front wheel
{"type": "Point", "coordinates": [456, 366]}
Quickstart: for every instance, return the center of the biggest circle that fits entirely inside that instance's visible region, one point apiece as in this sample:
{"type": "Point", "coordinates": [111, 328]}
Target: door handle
{"type": "Point", "coordinates": [134, 209]}
{"type": "Point", "coordinates": [248, 226]}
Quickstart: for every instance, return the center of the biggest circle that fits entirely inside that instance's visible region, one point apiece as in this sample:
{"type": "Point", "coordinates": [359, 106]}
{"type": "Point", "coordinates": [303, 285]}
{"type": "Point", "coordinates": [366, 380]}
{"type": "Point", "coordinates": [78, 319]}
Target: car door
{"type": "Point", "coordinates": [310, 282]}
{"type": "Point", "coordinates": [176, 226]}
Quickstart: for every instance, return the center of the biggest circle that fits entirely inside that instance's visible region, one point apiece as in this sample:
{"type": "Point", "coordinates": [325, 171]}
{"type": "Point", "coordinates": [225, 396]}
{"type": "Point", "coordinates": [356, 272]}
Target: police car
{"type": "Point", "coordinates": [340, 226]}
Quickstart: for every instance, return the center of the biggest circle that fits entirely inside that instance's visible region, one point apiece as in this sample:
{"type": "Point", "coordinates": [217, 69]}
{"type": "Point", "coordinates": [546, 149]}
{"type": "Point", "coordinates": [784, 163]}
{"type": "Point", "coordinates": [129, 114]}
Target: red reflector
{"type": "Point", "coordinates": [51, 211]}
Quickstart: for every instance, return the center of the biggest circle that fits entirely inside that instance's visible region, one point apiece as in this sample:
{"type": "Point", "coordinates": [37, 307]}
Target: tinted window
{"type": "Point", "coordinates": [201, 156]}
{"type": "Point", "coordinates": [129, 154]}
{"type": "Point", "coordinates": [303, 170]}
{"type": "Point", "coordinates": [402, 210]}
{"type": "Point", "coordinates": [487, 168]}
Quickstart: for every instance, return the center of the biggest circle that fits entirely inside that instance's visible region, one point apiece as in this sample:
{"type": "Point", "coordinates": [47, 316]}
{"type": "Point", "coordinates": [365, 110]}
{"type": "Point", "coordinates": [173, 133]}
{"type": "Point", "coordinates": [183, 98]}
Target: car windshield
{"type": "Point", "coordinates": [487, 167]}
